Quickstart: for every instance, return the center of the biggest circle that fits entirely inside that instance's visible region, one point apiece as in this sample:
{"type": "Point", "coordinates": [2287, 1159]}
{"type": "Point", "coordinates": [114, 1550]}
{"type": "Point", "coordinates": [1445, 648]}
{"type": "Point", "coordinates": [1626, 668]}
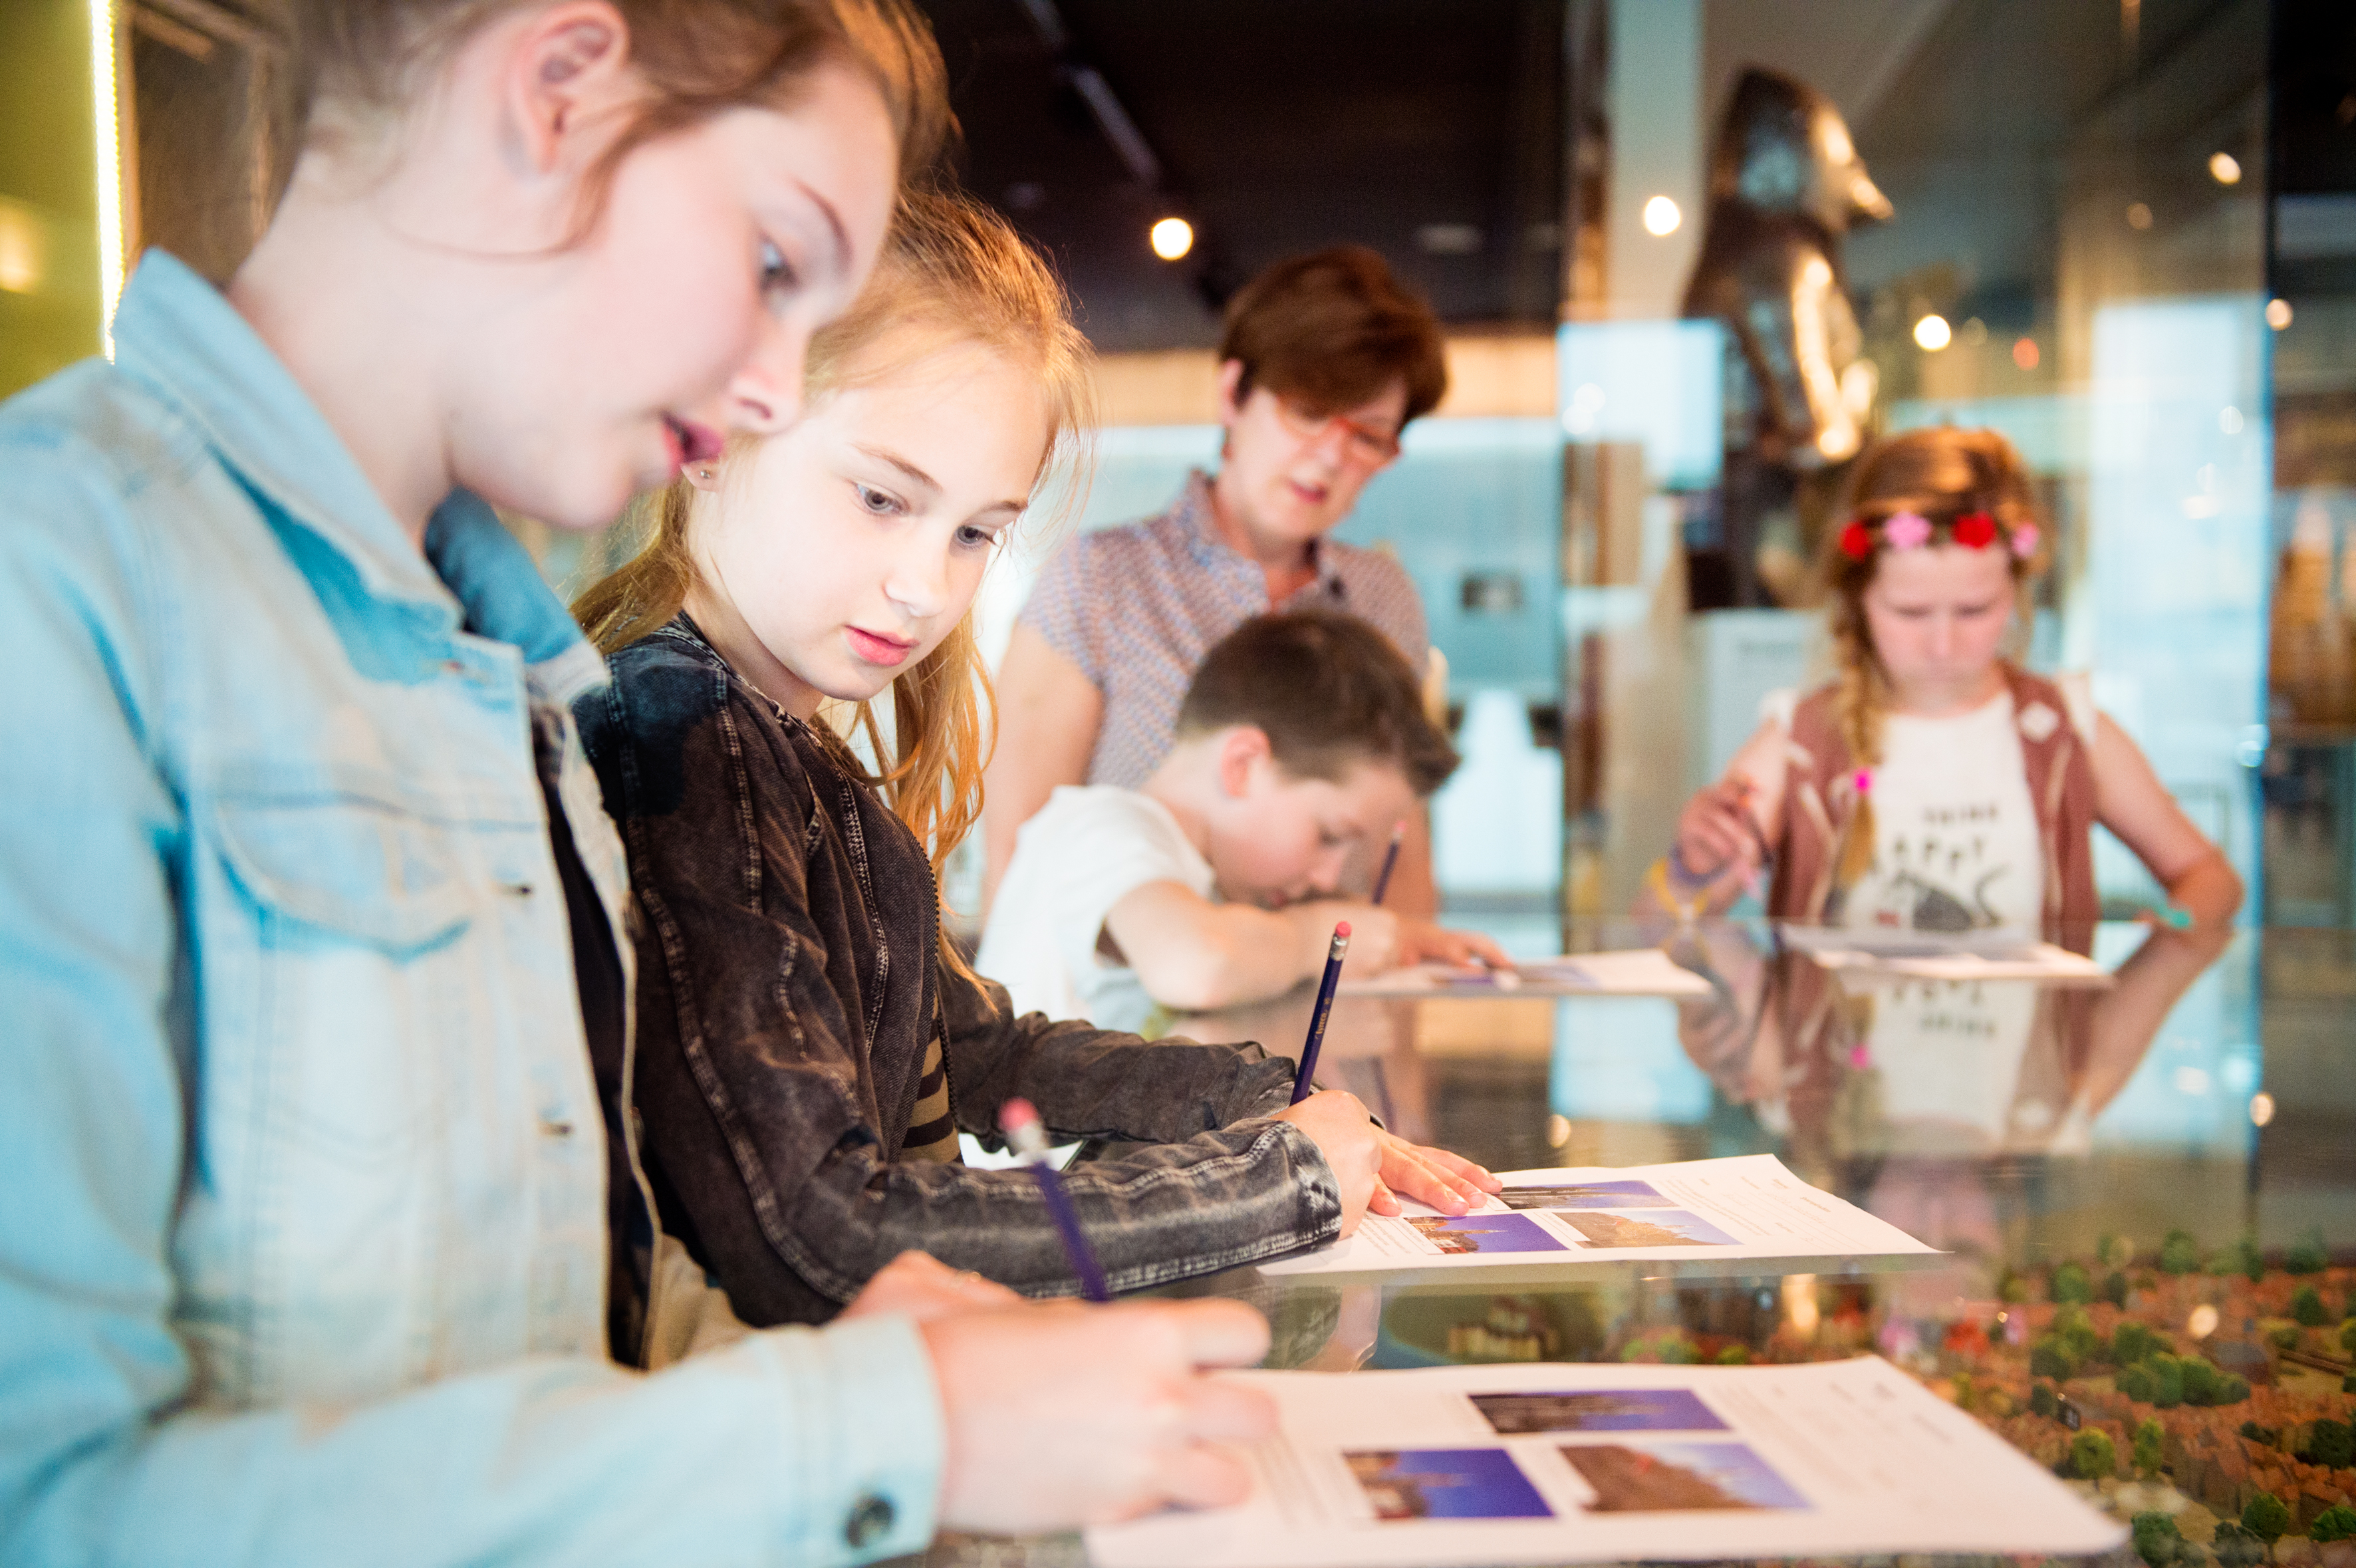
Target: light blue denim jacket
{"type": "Point", "coordinates": [302, 1242]}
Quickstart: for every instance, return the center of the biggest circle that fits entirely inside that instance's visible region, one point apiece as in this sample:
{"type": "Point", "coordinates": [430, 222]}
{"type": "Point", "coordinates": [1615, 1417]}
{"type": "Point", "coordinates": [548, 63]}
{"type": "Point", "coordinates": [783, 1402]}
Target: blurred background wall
{"type": "Point", "coordinates": [2123, 232]}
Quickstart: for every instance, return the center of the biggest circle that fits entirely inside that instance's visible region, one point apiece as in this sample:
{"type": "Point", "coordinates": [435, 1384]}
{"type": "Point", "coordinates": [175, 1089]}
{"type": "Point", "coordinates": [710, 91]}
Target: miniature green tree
{"type": "Point", "coordinates": [2232, 1389]}
{"type": "Point", "coordinates": [2306, 1255]}
{"type": "Point", "coordinates": [2266, 1517]}
{"type": "Point", "coordinates": [2307, 1307]}
{"type": "Point", "coordinates": [2200, 1379]}
{"type": "Point", "coordinates": [2180, 1254]}
{"type": "Point", "coordinates": [2283, 1338]}
{"type": "Point", "coordinates": [1963, 1392]}
{"type": "Point", "coordinates": [2072, 1283]}
{"type": "Point", "coordinates": [2077, 1331]}
{"type": "Point", "coordinates": [2337, 1523]}
{"type": "Point", "coordinates": [2041, 1401]}
{"type": "Point", "coordinates": [1734, 1356]}
{"type": "Point", "coordinates": [2157, 1540]}
{"type": "Point", "coordinates": [2331, 1444]}
{"type": "Point", "coordinates": [2115, 1289]}
{"type": "Point", "coordinates": [2132, 1342]}
{"type": "Point", "coordinates": [2148, 1440]}
{"type": "Point", "coordinates": [2248, 1261]}
{"type": "Point", "coordinates": [2257, 1433]}
{"type": "Point", "coordinates": [2167, 1381]}
{"type": "Point", "coordinates": [2114, 1251]}
{"type": "Point", "coordinates": [2237, 1547]}
{"type": "Point", "coordinates": [2137, 1383]}
{"type": "Point", "coordinates": [2010, 1288]}
{"type": "Point", "coordinates": [2093, 1454]}
{"type": "Point", "coordinates": [2348, 1337]}
{"type": "Point", "coordinates": [2050, 1357]}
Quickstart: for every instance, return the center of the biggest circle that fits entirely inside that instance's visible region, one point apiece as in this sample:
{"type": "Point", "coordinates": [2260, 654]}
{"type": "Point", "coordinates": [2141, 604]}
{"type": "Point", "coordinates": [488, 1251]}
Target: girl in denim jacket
{"type": "Point", "coordinates": [810, 1044]}
{"type": "Point", "coordinates": [303, 1229]}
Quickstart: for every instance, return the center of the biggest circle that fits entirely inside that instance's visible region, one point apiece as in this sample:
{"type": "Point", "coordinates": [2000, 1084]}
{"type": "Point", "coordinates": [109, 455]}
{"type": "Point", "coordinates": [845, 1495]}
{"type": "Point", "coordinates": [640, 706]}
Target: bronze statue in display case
{"type": "Point", "coordinates": [1785, 186]}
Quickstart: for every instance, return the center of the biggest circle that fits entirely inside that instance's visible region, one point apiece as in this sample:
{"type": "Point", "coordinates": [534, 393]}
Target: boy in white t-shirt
{"type": "Point", "coordinates": [1303, 739]}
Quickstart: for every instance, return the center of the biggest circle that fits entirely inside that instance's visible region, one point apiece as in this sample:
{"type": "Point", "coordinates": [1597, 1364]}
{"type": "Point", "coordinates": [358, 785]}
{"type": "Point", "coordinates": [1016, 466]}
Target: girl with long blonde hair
{"type": "Point", "coordinates": [810, 1046]}
{"type": "Point", "coordinates": [1934, 783]}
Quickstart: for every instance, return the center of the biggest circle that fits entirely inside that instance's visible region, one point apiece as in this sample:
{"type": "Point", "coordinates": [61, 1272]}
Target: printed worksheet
{"type": "Point", "coordinates": [1462, 1467]}
{"type": "Point", "coordinates": [1868, 954]}
{"type": "Point", "coordinates": [1746, 1206]}
{"type": "Point", "coordinates": [1636, 971]}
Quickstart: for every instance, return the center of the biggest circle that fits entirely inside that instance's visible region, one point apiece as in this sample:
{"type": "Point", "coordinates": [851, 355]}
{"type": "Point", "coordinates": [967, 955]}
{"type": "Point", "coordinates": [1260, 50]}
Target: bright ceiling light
{"type": "Point", "coordinates": [1662, 217]}
{"type": "Point", "coordinates": [1172, 237]}
{"type": "Point", "coordinates": [2224, 169]}
{"type": "Point", "coordinates": [1932, 333]}
{"type": "Point", "coordinates": [2278, 314]}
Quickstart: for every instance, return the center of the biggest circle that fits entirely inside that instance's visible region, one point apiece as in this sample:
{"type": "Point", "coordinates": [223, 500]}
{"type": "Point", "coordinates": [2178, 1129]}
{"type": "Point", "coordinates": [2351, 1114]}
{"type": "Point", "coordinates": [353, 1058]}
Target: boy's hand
{"type": "Point", "coordinates": [1337, 1122]}
{"type": "Point", "coordinates": [1420, 941]}
{"type": "Point", "coordinates": [1449, 1183]}
{"type": "Point", "coordinates": [1374, 935]}
{"type": "Point", "coordinates": [1058, 1415]}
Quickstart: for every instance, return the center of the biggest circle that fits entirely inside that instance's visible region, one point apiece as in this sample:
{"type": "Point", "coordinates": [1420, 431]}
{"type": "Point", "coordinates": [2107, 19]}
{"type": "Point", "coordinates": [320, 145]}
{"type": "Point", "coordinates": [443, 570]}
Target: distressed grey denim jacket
{"type": "Point", "coordinates": [787, 985]}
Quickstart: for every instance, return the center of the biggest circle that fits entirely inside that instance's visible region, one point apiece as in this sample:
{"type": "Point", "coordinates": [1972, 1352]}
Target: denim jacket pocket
{"type": "Point", "coordinates": [358, 976]}
{"type": "Point", "coordinates": [348, 866]}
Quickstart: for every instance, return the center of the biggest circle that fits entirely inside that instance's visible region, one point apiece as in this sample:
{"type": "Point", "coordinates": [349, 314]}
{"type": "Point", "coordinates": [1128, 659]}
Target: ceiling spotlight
{"type": "Point", "coordinates": [1172, 237]}
{"type": "Point", "coordinates": [1662, 217]}
{"type": "Point", "coordinates": [2138, 216]}
{"type": "Point", "coordinates": [1932, 333]}
{"type": "Point", "coordinates": [2224, 169]}
{"type": "Point", "coordinates": [2278, 314]}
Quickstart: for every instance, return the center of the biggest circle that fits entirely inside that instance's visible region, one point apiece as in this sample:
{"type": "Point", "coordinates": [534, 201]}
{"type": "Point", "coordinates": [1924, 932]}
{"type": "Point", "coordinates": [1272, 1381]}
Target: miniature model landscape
{"type": "Point", "coordinates": [2207, 1398]}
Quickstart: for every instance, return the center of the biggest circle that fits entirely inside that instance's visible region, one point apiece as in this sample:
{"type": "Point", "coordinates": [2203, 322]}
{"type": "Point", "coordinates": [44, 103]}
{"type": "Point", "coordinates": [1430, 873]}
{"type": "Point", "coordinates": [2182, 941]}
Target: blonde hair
{"type": "Point", "coordinates": [1941, 475]}
{"type": "Point", "coordinates": [953, 271]}
{"type": "Point", "coordinates": [357, 64]}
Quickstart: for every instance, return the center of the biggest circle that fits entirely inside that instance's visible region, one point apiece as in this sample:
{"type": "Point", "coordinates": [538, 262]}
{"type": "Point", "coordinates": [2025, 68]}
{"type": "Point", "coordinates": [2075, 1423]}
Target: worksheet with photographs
{"type": "Point", "coordinates": [1636, 971]}
{"type": "Point", "coordinates": [1470, 1465]}
{"type": "Point", "coordinates": [1746, 1206]}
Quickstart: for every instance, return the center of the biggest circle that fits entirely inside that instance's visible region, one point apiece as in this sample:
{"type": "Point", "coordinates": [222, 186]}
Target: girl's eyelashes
{"type": "Point", "coordinates": [778, 275]}
{"type": "Point", "coordinates": [969, 537]}
{"type": "Point", "coordinates": [882, 503]}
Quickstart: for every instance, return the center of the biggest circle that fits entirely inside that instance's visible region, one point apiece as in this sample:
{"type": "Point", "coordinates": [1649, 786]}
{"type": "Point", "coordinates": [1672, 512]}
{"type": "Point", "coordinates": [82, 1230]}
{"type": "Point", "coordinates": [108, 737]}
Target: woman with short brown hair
{"type": "Point", "coordinates": [1324, 359]}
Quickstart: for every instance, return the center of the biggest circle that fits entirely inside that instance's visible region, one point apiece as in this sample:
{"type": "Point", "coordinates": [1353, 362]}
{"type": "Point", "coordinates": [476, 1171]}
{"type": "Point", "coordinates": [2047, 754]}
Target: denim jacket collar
{"type": "Point", "coordinates": [178, 335]}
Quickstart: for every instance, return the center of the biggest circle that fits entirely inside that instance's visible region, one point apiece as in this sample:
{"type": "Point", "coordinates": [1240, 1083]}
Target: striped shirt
{"type": "Point", "coordinates": [932, 1130]}
{"type": "Point", "coordinates": [1137, 606]}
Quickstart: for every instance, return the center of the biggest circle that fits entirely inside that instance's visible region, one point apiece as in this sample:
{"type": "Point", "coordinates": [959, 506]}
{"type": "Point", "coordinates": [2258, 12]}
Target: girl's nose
{"type": "Point", "coordinates": [919, 581]}
{"type": "Point", "coordinates": [765, 397]}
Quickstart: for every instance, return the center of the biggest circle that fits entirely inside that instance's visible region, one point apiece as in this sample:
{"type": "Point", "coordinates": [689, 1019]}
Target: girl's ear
{"type": "Point", "coordinates": [1244, 756]}
{"type": "Point", "coordinates": [571, 62]}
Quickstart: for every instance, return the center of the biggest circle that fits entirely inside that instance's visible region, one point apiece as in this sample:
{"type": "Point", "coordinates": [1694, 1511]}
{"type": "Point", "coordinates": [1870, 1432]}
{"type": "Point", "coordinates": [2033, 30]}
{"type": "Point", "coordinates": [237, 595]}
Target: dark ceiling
{"type": "Point", "coordinates": [1428, 129]}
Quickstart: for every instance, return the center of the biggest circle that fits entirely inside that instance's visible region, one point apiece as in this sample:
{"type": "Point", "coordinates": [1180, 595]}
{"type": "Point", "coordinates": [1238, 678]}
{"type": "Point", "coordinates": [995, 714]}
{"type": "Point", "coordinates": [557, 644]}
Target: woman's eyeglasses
{"type": "Point", "coordinates": [1362, 445]}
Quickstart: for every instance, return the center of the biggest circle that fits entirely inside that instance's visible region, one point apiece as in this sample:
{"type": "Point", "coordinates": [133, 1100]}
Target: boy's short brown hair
{"type": "Point", "coordinates": [1330, 692]}
{"type": "Point", "coordinates": [1331, 330]}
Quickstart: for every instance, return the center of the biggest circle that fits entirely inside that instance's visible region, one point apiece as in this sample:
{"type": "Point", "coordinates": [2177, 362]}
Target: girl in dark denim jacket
{"type": "Point", "coordinates": [810, 1044]}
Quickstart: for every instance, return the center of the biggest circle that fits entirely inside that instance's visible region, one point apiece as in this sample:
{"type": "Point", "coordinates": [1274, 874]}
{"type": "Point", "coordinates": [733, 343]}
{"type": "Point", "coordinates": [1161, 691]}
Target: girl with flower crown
{"type": "Point", "coordinates": [1934, 784]}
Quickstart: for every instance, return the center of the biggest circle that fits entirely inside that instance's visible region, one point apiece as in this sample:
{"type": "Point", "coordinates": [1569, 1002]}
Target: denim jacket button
{"type": "Point", "coordinates": [871, 1520]}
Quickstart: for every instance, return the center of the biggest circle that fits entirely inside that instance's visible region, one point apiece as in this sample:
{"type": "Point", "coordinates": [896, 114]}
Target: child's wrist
{"type": "Point", "coordinates": [1683, 875]}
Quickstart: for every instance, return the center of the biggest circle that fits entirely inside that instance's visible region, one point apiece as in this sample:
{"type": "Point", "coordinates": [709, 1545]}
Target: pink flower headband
{"type": "Point", "coordinates": [1912, 530]}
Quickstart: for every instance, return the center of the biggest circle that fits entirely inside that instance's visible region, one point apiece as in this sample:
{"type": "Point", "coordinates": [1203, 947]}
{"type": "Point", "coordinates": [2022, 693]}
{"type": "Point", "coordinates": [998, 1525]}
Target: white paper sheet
{"type": "Point", "coordinates": [1637, 972]}
{"type": "Point", "coordinates": [1729, 1209]}
{"type": "Point", "coordinates": [1461, 1466]}
{"type": "Point", "coordinates": [1867, 955]}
